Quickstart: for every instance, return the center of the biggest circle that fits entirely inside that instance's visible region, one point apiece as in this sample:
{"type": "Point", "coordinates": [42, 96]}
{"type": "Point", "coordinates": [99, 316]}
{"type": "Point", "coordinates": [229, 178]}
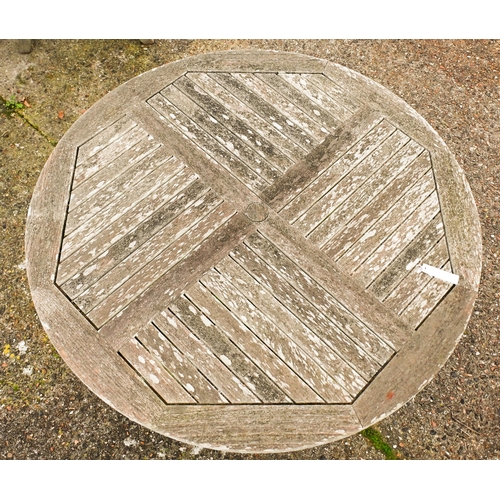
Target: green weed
{"type": "Point", "coordinates": [378, 442]}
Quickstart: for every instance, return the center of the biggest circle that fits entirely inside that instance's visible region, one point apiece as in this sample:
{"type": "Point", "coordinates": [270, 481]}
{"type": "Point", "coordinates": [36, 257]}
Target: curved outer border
{"type": "Point", "coordinates": [268, 428]}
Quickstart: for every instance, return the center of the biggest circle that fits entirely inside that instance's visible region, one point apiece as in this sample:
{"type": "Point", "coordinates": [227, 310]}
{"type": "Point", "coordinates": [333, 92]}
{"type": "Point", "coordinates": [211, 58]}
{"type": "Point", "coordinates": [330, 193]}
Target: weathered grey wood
{"type": "Point", "coordinates": [343, 95]}
{"type": "Point", "coordinates": [172, 283]}
{"type": "Point", "coordinates": [383, 227]}
{"type": "Point", "coordinates": [333, 147]}
{"type": "Point", "coordinates": [173, 361]}
{"type": "Point", "coordinates": [267, 111]}
{"type": "Point", "coordinates": [318, 221]}
{"type": "Point", "coordinates": [419, 360]}
{"type": "Point", "coordinates": [172, 330]}
{"type": "Point", "coordinates": [312, 345]}
{"type": "Point", "coordinates": [103, 138]}
{"type": "Point", "coordinates": [407, 259]}
{"type": "Point", "coordinates": [244, 338]}
{"type": "Point", "coordinates": [107, 185]}
{"type": "Point", "coordinates": [122, 259]}
{"type": "Point", "coordinates": [269, 428]}
{"type": "Point", "coordinates": [288, 270]}
{"type": "Point", "coordinates": [426, 300]}
{"type": "Point", "coordinates": [361, 223]}
{"type": "Point", "coordinates": [218, 342]}
{"type": "Point", "coordinates": [325, 102]}
{"type": "Point", "coordinates": [317, 113]}
{"type": "Point", "coordinates": [101, 237]}
{"type": "Point", "coordinates": [225, 116]}
{"type": "Point", "coordinates": [339, 172]}
{"type": "Point", "coordinates": [264, 328]}
{"type": "Point", "coordinates": [397, 241]}
{"type": "Point", "coordinates": [247, 116]}
{"type": "Point", "coordinates": [285, 295]}
{"type": "Point", "coordinates": [114, 149]}
{"type": "Point", "coordinates": [390, 162]}
{"type": "Point", "coordinates": [146, 195]}
{"type": "Point", "coordinates": [313, 131]}
{"type": "Point", "coordinates": [227, 138]}
{"type": "Point", "coordinates": [207, 143]}
{"type": "Point", "coordinates": [350, 293]}
{"type": "Point", "coordinates": [414, 281]}
{"type": "Point", "coordinates": [336, 338]}
{"type": "Point", "coordinates": [161, 381]}
{"type": "Point", "coordinates": [131, 284]}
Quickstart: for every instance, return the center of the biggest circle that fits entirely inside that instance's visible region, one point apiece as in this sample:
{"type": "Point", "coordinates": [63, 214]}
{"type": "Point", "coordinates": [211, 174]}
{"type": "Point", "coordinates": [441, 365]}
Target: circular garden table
{"type": "Point", "coordinates": [253, 251]}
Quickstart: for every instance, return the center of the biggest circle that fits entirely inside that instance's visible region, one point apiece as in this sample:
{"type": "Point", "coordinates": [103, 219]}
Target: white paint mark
{"type": "Point", "coordinates": [189, 387]}
{"type": "Point", "coordinates": [154, 378]}
{"type": "Point", "coordinates": [412, 264]}
{"type": "Point", "coordinates": [141, 360]}
{"type": "Point", "coordinates": [439, 273]}
{"type": "Point", "coordinates": [206, 321]}
{"type": "Point", "coordinates": [369, 234]}
{"type": "Point", "coordinates": [89, 270]}
{"type": "Point", "coordinates": [225, 360]}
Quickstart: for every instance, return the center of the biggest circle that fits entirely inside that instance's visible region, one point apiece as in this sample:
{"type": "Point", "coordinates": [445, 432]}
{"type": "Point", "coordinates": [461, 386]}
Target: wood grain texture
{"type": "Point", "coordinates": [217, 321]}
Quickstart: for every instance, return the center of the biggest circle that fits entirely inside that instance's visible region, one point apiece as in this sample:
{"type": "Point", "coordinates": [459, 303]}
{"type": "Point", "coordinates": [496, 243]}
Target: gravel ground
{"type": "Point", "coordinates": [47, 413]}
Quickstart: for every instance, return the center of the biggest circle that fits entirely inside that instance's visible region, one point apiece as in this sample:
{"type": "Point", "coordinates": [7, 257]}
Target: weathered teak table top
{"type": "Point", "coordinates": [253, 251]}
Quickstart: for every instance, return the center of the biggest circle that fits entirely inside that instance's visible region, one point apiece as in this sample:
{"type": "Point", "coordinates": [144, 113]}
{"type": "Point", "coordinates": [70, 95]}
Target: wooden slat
{"type": "Point", "coordinates": [350, 204]}
{"type": "Point", "coordinates": [137, 248]}
{"type": "Point", "coordinates": [343, 375]}
{"type": "Point", "coordinates": [426, 300]}
{"type": "Point", "coordinates": [218, 342]}
{"type": "Point", "coordinates": [172, 330]}
{"type": "Point", "coordinates": [159, 379]}
{"type": "Point", "coordinates": [174, 282]}
{"type": "Point", "coordinates": [131, 168]}
{"type": "Point", "coordinates": [147, 191]}
{"type": "Point", "coordinates": [87, 169]}
{"type": "Point", "coordinates": [414, 282]}
{"type": "Point", "coordinates": [350, 293]}
{"type": "Point", "coordinates": [114, 293]}
{"type": "Point", "coordinates": [318, 114]}
{"type": "Point", "coordinates": [120, 226]}
{"type": "Point", "coordinates": [265, 328]}
{"type": "Point", "coordinates": [103, 138]}
{"type": "Point", "coordinates": [408, 259]}
{"type": "Point", "coordinates": [325, 102]}
{"type": "Point", "coordinates": [397, 241]}
{"type": "Point", "coordinates": [207, 144]}
{"type": "Point", "coordinates": [226, 116]}
{"type": "Point", "coordinates": [338, 171]}
{"type": "Point", "coordinates": [248, 342]}
{"type": "Point", "coordinates": [248, 117]}
{"type": "Point", "coordinates": [319, 221]}
{"type": "Point", "coordinates": [178, 366]}
{"type": "Point", "coordinates": [323, 300]}
{"type": "Point", "coordinates": [331, 149]}
{"type": "Point", "coordinates": [383, 227]}
{"type": "Point", "coordinates": [342, 94]}
{"type": "Point", "coordinates": [259, 428]}
{"type": "Point", "coordinates": [314, 132]}
{"type": "Point", "coordinates": [263, 108]}
{"type": "Point", "coordinates": [217, 130]}
{"type": "Point", "coordinates": [382, 203]}
{"type": "Point", "coordinates": [308, 314]}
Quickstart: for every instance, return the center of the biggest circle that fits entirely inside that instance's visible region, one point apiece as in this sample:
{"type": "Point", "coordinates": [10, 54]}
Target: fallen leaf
{"type": "Point", "coordinates": [26, 103]}
{"type": "Point", "coordinates": [60, 115]}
